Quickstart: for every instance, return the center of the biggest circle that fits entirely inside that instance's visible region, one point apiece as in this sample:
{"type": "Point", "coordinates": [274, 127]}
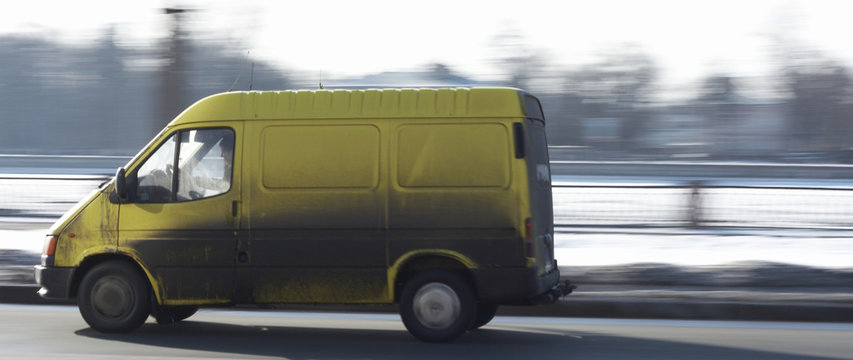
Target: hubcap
{"type": "Point", "coordinates": [436, 305]}
{"type": "Point", "coordinates": [112, 297]}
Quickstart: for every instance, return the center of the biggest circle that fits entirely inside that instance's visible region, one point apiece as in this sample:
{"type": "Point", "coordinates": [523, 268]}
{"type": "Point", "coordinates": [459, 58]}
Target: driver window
{"type": "Point", "coordinates": [201, 169]}
{"type": "Point", "coordinates": [155, 175]}
{"type": "Point", "coordinates": [205, 163]}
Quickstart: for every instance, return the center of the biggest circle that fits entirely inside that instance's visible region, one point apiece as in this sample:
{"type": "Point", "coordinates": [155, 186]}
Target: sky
{"type": "Point", "coordinates": [332, 38]}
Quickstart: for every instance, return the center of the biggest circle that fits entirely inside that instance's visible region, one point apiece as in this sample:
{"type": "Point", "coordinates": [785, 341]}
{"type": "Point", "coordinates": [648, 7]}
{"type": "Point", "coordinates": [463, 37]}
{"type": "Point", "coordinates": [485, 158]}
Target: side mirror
{"type": "Point", "coordinates": [121, 185]}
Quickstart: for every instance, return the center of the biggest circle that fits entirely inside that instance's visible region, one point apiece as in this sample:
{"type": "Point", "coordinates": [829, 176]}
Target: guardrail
{"type": "Point", "coordinates": [589, 204]}
{"type": "Point", "coordinates": [43, 196]}
{"type": "Point", "coordinates": [701, 205]}
{"type": "Point", "coordinates": [99, 165]}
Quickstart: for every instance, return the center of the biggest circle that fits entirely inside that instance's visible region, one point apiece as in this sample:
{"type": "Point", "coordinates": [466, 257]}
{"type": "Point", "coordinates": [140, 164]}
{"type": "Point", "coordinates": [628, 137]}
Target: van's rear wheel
{"type": "Point", "coordinates": [485, 313]}
{"type": "Point", "coordinates": [437, 306]}
{"type": "Point", "coordinates": [114, 297]}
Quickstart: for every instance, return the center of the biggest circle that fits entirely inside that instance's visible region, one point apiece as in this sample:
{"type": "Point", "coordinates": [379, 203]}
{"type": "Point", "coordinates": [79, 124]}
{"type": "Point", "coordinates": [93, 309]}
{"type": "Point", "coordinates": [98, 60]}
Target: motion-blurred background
{"type": "Point", "coordinates": [619, 80]}
{"type": "Point", "coordinates": [700, 149]}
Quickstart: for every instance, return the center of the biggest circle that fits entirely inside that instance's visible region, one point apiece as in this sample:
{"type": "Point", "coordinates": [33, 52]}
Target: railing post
{"type": "Point", "coordinates": [694, 205]}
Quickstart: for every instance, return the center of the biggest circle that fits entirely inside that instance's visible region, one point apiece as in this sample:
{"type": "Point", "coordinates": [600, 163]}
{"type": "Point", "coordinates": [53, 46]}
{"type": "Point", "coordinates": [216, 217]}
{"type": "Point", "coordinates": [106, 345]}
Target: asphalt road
{"type": "Point", "coordinates": [58, 332]}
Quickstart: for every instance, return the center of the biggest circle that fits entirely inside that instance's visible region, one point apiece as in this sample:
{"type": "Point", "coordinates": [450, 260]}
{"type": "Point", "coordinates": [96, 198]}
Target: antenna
{"type": "Point", "coordinates": [241, 72]}
{"type": "Point", "coordinates": [252, 77]}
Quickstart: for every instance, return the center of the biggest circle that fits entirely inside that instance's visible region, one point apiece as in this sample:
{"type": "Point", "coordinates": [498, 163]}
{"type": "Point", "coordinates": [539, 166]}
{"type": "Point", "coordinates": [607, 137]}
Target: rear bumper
{"type": "Point", "coordinates": [549, 297]}
{"type": "Point", "coordinates": [519, 286]}
{"type": "Point", "coordinates": [55, 282]}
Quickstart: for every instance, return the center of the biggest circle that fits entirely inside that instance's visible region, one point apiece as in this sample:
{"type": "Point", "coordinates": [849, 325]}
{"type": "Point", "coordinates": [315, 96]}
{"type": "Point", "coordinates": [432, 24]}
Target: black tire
{"type": "Point", "coordinates": [485, 313]}
{"type": "Point", "coordinates": [171, 314]}
{"type": "Point", "coordinates": [437, 306]}
{"type": "Point", "coordinates": [114, 297]}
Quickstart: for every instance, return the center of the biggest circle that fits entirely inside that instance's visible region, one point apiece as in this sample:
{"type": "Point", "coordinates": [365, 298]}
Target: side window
{"type": "Point", "coordinates": [191, 164]}
{"type": "Point", "coordinates": [205, 163]}
{"type": "Point", "coordinates": [155, 175]}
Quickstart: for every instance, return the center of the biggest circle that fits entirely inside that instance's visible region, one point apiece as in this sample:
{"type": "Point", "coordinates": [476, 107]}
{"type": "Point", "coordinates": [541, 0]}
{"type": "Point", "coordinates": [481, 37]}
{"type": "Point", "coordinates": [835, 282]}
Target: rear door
{"type": "Point", "coordinates": [539, 175]}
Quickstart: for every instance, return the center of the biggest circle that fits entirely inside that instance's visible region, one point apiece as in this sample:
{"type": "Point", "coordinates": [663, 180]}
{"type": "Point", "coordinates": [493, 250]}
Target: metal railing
{"type": "Point", "coordinates": [686, 204]}
{"type": "Point", "coordinates": [43, 196]}
{"type": "Point", "coordinates": [701, 205]}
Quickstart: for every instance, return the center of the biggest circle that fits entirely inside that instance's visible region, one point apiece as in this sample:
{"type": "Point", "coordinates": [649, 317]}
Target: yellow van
{"type": "Point", "coordinates": [436, 199]}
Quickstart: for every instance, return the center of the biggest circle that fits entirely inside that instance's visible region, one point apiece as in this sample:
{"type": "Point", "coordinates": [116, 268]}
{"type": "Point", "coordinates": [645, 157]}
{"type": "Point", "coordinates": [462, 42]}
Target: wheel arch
{"type": "Point", "coordinates": [92, 261]}
{"type": "Point", "coordinates": [414, 262]}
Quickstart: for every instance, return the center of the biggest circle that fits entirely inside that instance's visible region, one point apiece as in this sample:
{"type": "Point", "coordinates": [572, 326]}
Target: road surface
{"type": "Point", "coordinates": [58, 332]}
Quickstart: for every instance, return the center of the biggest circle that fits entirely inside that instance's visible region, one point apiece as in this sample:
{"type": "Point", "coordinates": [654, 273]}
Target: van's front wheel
{"type": "Point", "coordinates": [437, 306]}
{"type": "Point", "coordinates": [114, 298]}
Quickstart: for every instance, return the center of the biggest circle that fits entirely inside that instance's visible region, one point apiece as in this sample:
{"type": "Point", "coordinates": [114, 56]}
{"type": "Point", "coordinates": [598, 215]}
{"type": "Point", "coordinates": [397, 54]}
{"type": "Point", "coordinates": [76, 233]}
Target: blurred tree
{"type": "Point", "coordinates": [514, 57]}
{"type": "Point", "coordinates": [112, 88]}
{"type": "Point", "coordinates": [720, 104]}
{"type": "Point", "coordinates": [817, 87]}
{"type": "Point", "coordinates": [821, 118]}
{"type": "Point", "coordinates": [101, 98]}
{"type": "Point", "coordinates": [440, 70]}
{"type": "Point", "coordinates": [618, 87]}
{"type": "Point", "coordinates": [60, 95]}
{"type": "Point", "coordinates": [17, 79]}
{"type": "Point", "coordinates": [443, 74]}
{"type": "Point", "coordinates": [563, 118]}
{"type": "Point", "coordinates": [718, 89]}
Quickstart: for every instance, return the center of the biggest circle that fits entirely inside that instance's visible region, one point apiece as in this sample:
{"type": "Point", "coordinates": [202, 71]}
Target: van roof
{"type": "Point", "coordinates": [353, 104]}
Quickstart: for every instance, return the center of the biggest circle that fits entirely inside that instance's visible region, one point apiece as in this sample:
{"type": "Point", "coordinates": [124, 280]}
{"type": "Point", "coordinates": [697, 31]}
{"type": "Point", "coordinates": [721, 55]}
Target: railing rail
{"type": "Point", "coordinates": [695, 204]}
{"type": "Point", "coordinates": [43, 196]}
{"type": "Point", "coordinates": [702, 205]}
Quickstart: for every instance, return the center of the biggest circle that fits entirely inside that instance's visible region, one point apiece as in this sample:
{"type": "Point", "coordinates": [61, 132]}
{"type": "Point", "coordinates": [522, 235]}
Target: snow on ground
{"type": "Point", "coordinates": [797, 248]}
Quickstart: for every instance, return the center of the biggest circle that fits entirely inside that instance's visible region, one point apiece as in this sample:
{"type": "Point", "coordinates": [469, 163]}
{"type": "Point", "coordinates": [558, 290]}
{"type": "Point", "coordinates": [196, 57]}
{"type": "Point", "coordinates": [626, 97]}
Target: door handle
{"type": "Point", "coordinates": [234, 207]}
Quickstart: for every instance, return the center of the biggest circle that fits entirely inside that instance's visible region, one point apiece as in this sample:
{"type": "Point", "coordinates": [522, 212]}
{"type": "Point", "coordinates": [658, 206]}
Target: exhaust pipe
{"type": "Point", "coordinates": [549, 297]}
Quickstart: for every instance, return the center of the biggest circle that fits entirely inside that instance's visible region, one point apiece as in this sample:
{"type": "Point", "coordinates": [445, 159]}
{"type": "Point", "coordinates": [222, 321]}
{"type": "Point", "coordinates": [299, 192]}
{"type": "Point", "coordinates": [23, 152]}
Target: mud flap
{"type": "Point", "coordinates": [162, 317]}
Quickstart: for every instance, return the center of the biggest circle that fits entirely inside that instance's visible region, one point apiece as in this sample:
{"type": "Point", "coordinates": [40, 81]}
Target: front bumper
{"type": "Point", "coordinates": [55, 281]}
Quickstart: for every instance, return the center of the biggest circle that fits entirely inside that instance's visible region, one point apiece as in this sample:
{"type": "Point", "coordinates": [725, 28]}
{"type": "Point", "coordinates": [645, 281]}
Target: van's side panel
{"type": "Point", "coordinates": [451, 175]}
{"type": "Point", "coordinates": [452, 188]}
{"type": "Point", "coordinates": [316, 212]}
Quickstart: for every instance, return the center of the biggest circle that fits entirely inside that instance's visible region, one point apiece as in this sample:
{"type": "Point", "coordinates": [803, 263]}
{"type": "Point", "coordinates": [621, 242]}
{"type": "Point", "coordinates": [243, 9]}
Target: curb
{"type": "Point", "coordinates": [567, 307]}
{"type": "Point", "coordinates": [25, 294]}
{"type": "Point", "coordinates": [743, 311]}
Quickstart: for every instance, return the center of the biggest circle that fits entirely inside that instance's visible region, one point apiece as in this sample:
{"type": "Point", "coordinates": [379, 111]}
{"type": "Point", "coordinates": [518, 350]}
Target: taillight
{"type": "Point", "coordinates": [49, 245]}
{"type": "Point", "coordinates": [528, 238]}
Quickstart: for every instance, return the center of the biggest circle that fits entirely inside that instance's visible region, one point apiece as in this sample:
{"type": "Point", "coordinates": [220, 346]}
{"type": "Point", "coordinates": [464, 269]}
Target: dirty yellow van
{"type": "Point", "coordinates": [438, 200]}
